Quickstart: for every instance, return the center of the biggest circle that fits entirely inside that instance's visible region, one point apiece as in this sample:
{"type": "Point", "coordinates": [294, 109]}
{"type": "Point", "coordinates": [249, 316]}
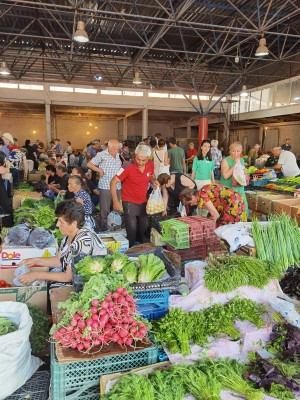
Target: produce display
{"type": "Point", "coordinates": [226, 273]}
{"type": "Point", "coordinates": [284, 188]}
{"type": "Point", "coordinates": [25, 186]}
{"type": "Point", "coordinates": [4, 284]}
{"type": "Point", "coordinates": [204, 380]}
{"type": "Point", "coordinates": [39, 334]}
{"type": "Point", "coordinates": [178, 329]}
{"type": "Point", "coordinates": [147, 268]}
{"type": "Point", "coordinates": [277, 241]}
{"type": "Point", "coordinates": [7, 326]}
{"type": "Point", "coordinates": [290, 283]}
{"type": "Point", "coordinates": [103, 313]}
{"type": "Point", "coordinates": [42, 216]}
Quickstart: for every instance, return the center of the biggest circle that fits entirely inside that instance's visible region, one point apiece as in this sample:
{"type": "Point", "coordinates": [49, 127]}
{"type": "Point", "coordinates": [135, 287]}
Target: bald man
{"type": "Point", "coordinates": [107, 163]}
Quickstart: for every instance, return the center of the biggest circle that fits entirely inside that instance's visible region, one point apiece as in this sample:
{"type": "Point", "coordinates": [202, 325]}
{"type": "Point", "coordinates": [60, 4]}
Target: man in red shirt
{"type": "Point", "coordinates": [135, 176]}
{"type": "Point", "coordinates": [191, 153]}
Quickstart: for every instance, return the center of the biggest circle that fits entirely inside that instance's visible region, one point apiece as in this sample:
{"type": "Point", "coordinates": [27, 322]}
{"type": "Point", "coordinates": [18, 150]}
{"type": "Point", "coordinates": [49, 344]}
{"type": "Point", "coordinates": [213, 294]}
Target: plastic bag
{"type": "Point", "coordinates": [114, 219]}
{"type": "Point", "coordinates": [22, 270]}
{"type": "Point", "coordinates": [17, 364]}
{"type": "Point", "coordinates": [239, 176]}
{"type": "Point", "coordinates": [182, 210]}
{"type": "Point", "coordinates": [155, 203]}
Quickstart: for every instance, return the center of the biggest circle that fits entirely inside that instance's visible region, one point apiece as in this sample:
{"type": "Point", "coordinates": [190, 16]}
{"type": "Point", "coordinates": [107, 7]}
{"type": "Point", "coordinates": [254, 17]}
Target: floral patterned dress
{"type": "Point", "coordinates": [229, 203]}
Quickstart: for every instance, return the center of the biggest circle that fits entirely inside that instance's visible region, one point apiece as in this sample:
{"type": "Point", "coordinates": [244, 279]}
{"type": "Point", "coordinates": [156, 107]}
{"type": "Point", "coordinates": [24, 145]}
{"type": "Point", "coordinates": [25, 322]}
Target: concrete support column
{"type": "Point", "coordinates": [145, 124]}
{"type": "Point", "coordinates": [125, 126]}
{"type": "Point", "coordinates": [48, 123]}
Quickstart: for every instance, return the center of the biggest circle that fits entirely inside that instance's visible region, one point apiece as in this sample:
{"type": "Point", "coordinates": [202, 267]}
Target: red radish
{"type": "Point", "coordinates": [129, 341]}
{"type": "Point", "coordinates": [89, 322]}
{"type": "Point", "coordinates": [105, 304]}
{"type": "Point", "coordinates": [95, 324]}
{"type": "Point", "coordinates": [76, 317]}
{"type": "Point", "coordinates": [69, 328]}
{"type": "Point", "coordinates": [115, 295]}
{"type": "Point", "coordinates": [93, 310]}
{"type": "Point", "coordinates": [74, 322]}
{"type": "Point", "coordinates": [62, 331]}
{"type": "Point", "coordinates": [80, 347]}
{"type": "Point", "coordinates": [87, 344]}
{"type": "Point", "coordinates": [95, 303]}
{"type": "Point", "coordinates": [95, 317]}
{"type": "Point", "coordinates": [81, 324]}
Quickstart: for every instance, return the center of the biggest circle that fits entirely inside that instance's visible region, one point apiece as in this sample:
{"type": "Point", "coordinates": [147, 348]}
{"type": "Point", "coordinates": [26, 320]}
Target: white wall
{"type": "Point", "coordinates": [23, 128]}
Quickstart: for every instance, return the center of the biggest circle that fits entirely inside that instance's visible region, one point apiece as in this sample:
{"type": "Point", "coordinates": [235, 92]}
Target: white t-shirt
{"type": "Point", "coordinates": [289, 164]}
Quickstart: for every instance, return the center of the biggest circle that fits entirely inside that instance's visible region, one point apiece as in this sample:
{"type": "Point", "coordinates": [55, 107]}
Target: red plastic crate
{"type": "Point", "coordinates": [192, 253]}
{"type": "Point", "coordinates": [200, 228]}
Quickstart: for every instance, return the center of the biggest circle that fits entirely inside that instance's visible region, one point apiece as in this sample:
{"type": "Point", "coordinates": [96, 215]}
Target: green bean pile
{"type": "Point", "coordinates": [226, 273]}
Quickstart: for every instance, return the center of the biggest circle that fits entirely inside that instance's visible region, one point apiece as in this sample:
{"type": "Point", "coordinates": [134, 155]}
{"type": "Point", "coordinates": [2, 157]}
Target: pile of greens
{"type": "Point", "coordinates": [290, 284]}
{"type": "Point", "coordinates": [39, 333]}
{"type": "Point", "coordinates": [35, 214]}
{"type": "Point", "coordinates": [25, 186]}
{"type": "Point", "coordinates": [177, 329]}
{"type": "Point", "coordinates": [7, 326]}
{"type": "Point", "coordinates": [147, 268]}
{"type": "Point", "coordinates": [278, 241]}
{"type": "Point", "coordinates": [204, 380]}
{"type": "Point", "coordinates": [226, 273]}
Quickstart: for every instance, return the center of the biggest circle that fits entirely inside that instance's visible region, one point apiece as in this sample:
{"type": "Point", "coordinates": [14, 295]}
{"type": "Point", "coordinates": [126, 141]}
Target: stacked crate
{"type": "Point", "coordinates": [201, 238]}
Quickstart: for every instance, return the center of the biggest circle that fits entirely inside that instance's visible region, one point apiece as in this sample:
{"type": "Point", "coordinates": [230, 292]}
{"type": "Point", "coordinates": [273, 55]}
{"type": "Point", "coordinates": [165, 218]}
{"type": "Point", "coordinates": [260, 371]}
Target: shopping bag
{"type": "Point", "coordinates": [155, 203]}
{"type": "Point", "coordinates": [182, 210]}
{"type": "Point", "coordinates": [114, 219]}
{"type": "Point", "coordinates": [239, 176]}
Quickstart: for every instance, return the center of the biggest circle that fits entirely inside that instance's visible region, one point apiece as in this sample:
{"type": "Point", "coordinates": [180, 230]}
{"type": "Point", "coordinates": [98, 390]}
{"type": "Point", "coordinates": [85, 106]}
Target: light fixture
{"type": "Point", "coordinates": [244, 92]}
{"type": "Point", "coordinates": [80, 35]}
{"type": "Point", "coordinates": [4, 69]}
{"type": "Point", "coordinates": [97, 78]}
{"type": "Point", "coordinates": [262, 49]}
{"type": "Point", "coordinates": [237, 58]}
{"type": "Point", "coordinates": [136, 79]}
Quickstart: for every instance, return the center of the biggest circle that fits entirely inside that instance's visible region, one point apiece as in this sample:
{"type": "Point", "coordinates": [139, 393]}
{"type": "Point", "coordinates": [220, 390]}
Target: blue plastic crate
{"type": "Point", "coordinates": [162, 356]}
{"type": "Point", "coordinates": [153, 305]}
{"type": "Point", "coordinates": [36, 388]}
{"type": "Point", "coordinates": [80, 380]}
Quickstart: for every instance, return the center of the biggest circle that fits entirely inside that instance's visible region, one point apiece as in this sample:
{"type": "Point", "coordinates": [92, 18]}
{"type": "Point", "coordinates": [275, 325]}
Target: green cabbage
{"type": "Point", "coordinates": [151, 268]}
{"type": "Point", "coordinates": [89, 266]}
{"type": "Point", "coordinates": [130, 271]}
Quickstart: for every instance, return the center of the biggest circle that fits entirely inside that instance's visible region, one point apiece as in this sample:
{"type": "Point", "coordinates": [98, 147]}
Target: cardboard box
{"type": "Point", "coordinates": [285, 205]}
{"type": "Point", "coordinates": [115, 242]}
{"type": "Point", "coordinates": [35, 176]}
{"type": "Point", "coordinates": [120, 231]}
{"type": "Point", "coordinates": [35, 295]}
{"type": "Point", "coordinates": [265, 202]}
{"type": "Point", "coordinates": [295, 210]}
{"type": "Point", "coordinates": [246, 251]}
{"type": "Point", "coordinates": [19, 195]}
{"type": "Point", "coordinates": [252, 199]}
{"type": "Point", "coordinates": [155, 238]}
{"type": "Point", "coordinates": [12, 255]}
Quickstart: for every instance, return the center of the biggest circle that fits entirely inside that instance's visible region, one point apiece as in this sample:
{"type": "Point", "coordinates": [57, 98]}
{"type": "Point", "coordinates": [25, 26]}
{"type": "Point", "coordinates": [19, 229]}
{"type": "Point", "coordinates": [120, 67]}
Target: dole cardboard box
{"type": "Point", "coordinates": [12, 255]}
{"type": "Point", "coordinates": [19, 195]}
{"type": "Point", "coordinates": [35, 295]}
{"type": "Point", "coordinates": [115, 242]}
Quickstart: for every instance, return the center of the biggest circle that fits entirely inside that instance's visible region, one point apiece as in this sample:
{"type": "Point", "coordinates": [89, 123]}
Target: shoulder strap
{"type": "Point", "coordinates": [158, 157]}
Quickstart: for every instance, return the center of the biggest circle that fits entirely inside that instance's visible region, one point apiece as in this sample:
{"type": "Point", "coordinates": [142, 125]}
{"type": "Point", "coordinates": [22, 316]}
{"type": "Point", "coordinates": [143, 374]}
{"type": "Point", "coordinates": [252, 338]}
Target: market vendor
{"type": "Point", "coordinates": [287, 162]}
{"type": "Point", "coordinates": [172, 185]}
{"type": "Point", "coordinates": [224, 205]}
{"type": "Point", "coordinates": [77, 240]}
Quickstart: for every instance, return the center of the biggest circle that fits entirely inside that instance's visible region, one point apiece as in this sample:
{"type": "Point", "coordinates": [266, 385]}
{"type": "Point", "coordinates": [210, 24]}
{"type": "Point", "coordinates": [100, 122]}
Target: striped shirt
{"type": "Point", "coordinates": [87, 202]}
{"type": "Point", "coordinates": [110, 166]}
{"type": "Point", "coordinates": [216, 156]}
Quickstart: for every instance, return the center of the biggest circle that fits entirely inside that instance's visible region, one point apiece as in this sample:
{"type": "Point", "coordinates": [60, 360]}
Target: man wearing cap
{"type": "Point", "coordinates": [253, 154]}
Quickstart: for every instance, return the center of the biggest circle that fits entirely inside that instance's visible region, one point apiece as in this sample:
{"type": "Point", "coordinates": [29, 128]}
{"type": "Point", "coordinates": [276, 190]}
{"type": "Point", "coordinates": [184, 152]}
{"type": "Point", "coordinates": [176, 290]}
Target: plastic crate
{"type": "Point", "coordinates": [80, 380]}
{"type": "Point", "coordinates": [153, 305]}
{"type": "Point", "coordinates": [200, 228]}
{"type": "Point", "coordinates": [155, 220]}
{"type": "Point", "coordinates": [259, 182]}
{"type": "Point", "coordinates": [170, 283]}
{"type": "Point", "coordinates": [36, 388]}
{"type": "Point", "coordinates": [195, 253]}
{"type": "Point", "coordinates": [162, 355]}
{"type": "Point", "coordinates": [176, 233]}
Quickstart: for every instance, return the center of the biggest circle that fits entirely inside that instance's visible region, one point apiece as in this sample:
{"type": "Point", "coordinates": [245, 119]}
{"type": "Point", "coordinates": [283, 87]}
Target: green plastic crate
{"type": "Point", "coordinates": [80, 380]}
{"type": "Point", "coordinates": [176, 234]}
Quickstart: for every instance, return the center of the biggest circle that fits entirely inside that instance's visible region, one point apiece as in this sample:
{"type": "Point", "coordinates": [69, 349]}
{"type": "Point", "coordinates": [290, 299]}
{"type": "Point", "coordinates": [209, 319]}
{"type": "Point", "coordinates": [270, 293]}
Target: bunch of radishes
{"type": "Point", "coordinates": [113, 320]}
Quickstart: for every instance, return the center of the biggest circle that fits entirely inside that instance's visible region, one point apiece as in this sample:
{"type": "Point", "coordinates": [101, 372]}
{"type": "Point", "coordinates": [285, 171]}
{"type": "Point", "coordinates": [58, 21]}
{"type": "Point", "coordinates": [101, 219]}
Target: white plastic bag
{"type": "Point", "coordinates": [182, 210]}
{"type": "Point", "coordinates": [239, 175]}
{"type": "Point", "coordinates": [17, 364]}
{"type": "Point", "coordinates": [155, 203]}
{"type": "Point", "coordinates": [114, 219]}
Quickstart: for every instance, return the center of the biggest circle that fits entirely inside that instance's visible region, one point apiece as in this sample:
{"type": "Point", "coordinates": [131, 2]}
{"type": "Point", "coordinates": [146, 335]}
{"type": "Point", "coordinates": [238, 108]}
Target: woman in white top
{"type": "Point", "coordinates": [160, 159]}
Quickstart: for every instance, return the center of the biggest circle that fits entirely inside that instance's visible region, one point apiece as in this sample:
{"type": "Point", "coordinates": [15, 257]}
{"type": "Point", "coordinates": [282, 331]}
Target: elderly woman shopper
{"type": "Point", "coordinates": [225, 206]}
{"type": "Point", "coordinates": [227, 169]}
{"type": "Point", "coordinates": [172, 185]}
{"type": "Point", "coordinates": [203, 166]}
{"type": "Point", "coordinates": [81, 195]}
{"type": "Point", "coordinates": [77, 240]}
